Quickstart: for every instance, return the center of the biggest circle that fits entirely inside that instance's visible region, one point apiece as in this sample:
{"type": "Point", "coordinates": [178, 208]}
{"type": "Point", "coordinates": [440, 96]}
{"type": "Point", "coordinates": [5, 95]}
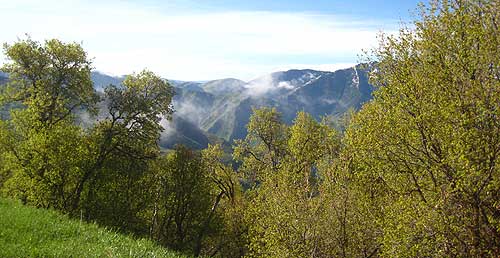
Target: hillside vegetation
{"type": "Point", "coordinates": [415, 172]}
{"type": "Point", "coordinates": [31, 232]}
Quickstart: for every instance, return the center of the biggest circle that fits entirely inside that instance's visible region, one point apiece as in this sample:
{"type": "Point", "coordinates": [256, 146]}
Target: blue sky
{"type": "Point", "coordinates": [203, 40]}
{"type": "Point", "coordinates": [392, 9]}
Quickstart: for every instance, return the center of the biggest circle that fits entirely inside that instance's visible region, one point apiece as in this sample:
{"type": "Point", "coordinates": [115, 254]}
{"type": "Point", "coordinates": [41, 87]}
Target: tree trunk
{"type": "Point", "coordinates": [197, 248]}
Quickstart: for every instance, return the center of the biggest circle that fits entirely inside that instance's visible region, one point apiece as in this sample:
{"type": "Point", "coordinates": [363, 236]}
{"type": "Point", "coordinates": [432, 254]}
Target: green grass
{"type": "Point", "coordinates": [30, 232]}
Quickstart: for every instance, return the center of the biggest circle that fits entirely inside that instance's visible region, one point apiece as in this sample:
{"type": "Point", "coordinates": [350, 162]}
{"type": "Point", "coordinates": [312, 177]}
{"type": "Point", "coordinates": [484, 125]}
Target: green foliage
{"type": "Point", "coordinates": [140, 102]}
{"type": "Point", "coordinates": [52, 80]}
{"type": "Point", "coordinates": [182, 199]}
{"type": "Point", "coordinates": [118, 194]}
{"type": "Point", "coordinates": [49, 161]}
{"type": "Point", "coordinates": [229, 205]}
{"type": "Point", "coordinates": [135, 109]}
{"type": "Point", "coordinates": [30, 232]}
{"type": "Point", "coordinates": [43, 166]}
{"type": "Point", "coordinates": [431, 134]}
{"type": "Point", "coordinates": [263, 149]}
{"type": "Point", "coordinates": [194, 203]}
{"type": "Point", "coordinates": [42, 149]}
{"type": "Point", "coordinates": [114, 187]}
{"type": "Point", "coordinates": [286, 208]}
{"type": "Point", "coordinates": [415, 174]}
{"type": "Point", "coordinates": [351, 212]}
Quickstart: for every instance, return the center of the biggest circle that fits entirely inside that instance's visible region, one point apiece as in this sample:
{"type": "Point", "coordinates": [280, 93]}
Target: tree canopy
{"type": "Point", "coordinates": [432, 132]}
{"type": "Point", "coordinates": [414, 173]}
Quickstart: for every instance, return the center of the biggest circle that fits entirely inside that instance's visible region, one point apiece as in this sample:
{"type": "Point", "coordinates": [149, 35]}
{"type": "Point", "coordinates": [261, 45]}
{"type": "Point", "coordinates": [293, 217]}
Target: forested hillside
{"type": "Point", "coordinates": [404, 164]}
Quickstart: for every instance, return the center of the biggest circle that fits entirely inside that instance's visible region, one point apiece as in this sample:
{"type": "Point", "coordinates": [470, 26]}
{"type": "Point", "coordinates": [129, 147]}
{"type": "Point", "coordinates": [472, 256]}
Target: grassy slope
{"type": "Point", "coordinates": [31, 232]}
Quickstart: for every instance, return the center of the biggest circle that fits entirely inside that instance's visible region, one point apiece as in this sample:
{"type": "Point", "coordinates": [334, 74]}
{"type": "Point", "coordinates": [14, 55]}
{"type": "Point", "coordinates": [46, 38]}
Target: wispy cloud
{"type": "Point", "coordinates": [124, 37]}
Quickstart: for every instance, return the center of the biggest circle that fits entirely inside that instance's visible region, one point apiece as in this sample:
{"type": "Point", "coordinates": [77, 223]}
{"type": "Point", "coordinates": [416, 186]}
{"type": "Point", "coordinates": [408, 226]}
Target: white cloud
{"type": "Point", "coordinates": [260, 85]}
{"type": "Point", "coordinates": [191, 46]}
{"type": "Point", "coordinates": [285, 85]}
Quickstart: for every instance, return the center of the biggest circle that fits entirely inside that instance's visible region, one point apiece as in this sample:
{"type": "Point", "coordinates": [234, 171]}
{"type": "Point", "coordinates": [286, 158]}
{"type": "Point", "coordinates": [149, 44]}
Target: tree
{"type": "Point", "coordinates": [350, 209]}
{"type": "Point", "coordinates": [263, 149]}
{"type": "Point", "coordinates": [40, 144]}
{"type": "Point", "coordinates": [132, 129]}
{"type": "Point", "coordinates": [228, 204]}
{"type": "Point", "coordinates": [49, 161]}
{"type": "Point", "coordinates": [431, 136]}
{"type": "Point", "coordinates": [51, 81]}
{"type": "Point", "coordinates": [286, 210]}
{"type": "Point", "coordinates": [182, 200]}
{"type": "Point", "coordinates": [195, 203]}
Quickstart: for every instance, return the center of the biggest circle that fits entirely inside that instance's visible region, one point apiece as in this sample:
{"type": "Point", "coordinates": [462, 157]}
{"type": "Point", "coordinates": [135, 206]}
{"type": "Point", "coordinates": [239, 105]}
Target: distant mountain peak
{"type": "Point", "coordinates": [227, 85]}
{"type": "Point", "coordinates": [223, 107]}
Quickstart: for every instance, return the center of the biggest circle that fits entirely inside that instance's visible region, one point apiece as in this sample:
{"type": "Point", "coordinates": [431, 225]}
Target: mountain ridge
{"type": "Point", "coordinates": [221, 108]}
{"type": "Point", "coordinates": [320, 93]}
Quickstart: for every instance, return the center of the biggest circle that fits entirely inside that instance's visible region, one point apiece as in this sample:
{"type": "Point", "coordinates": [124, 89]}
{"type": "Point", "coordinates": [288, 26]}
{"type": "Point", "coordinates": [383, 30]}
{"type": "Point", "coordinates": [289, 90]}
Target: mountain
{"type": "Point", "coordinates": [219, 110]}
{"type": "Point", "coordinates": [316, 92]}
{"type": "Point", "coordinates": [182, 131]}
{"type": "Point", "coordinates": [102, 80]}
{"type": "Point", "coordinates": [4, 109]}
{"type": "Point", "coordinates": [3, 78]}
{"type": "Point", "coordinates": [224, 86]}
{"type": "Point", "coordinates": [222, 108]}
{"type": "Point", "coordinates": [188, 86]}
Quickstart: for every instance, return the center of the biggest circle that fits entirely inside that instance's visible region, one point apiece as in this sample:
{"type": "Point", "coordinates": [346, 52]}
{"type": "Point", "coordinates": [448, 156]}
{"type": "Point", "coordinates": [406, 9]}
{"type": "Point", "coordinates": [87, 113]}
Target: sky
{"type": "Point", "coordinates": [199, 40]}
